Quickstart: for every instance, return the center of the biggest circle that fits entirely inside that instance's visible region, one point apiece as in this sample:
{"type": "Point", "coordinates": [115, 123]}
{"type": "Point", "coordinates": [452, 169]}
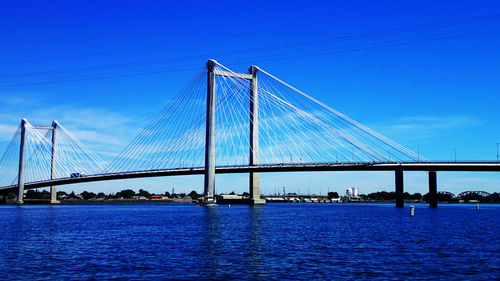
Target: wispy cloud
{"type": "Point", "coordinates": [7, 131]}
{"type": "Point", "coordinates": [421, 127]}
{"type": "Point", "coordinates": [108, 138]}
{"type": "Point", "coordinates": [16, 99]}
{"type": "Point", "coordinates": [440, 122]}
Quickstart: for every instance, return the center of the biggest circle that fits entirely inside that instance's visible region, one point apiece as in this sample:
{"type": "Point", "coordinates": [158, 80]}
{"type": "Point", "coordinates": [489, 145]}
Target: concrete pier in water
{"type": "Point", "coordinates": [432, 189]}
{"type": "Point", "coordinates": [399, 188]}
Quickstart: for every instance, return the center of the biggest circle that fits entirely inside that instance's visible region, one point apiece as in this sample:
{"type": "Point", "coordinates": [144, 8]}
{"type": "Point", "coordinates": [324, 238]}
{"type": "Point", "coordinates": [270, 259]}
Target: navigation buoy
{"type": "Point", "coordinates": [477, 206]}
{"type": "Point", "coordinates": [412, 211]}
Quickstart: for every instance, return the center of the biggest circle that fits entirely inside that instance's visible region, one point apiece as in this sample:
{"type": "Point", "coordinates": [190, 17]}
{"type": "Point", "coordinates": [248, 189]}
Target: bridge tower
{"type": "Point", "coordinates": [209, 183]}
{"type": "Point", "coordinates": [53, 161]}
{"type": "Point", "coordinates": [254, 179]}
{"type": "Point", "coordinates": [20, 177]}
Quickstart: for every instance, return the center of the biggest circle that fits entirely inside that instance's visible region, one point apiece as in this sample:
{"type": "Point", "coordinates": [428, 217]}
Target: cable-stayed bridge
{"type": "Point", "coordinates": [221, 122]}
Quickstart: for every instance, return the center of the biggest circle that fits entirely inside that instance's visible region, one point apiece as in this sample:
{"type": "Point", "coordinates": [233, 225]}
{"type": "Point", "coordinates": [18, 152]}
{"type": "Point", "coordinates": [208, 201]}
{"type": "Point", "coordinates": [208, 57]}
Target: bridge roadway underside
{"type": "Point", "coordinates": [426, 166]}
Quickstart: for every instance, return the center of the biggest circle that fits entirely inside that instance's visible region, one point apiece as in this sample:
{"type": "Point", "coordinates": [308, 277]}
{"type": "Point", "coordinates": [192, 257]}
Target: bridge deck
{"type": "Point", "coordinates": [423, 166]}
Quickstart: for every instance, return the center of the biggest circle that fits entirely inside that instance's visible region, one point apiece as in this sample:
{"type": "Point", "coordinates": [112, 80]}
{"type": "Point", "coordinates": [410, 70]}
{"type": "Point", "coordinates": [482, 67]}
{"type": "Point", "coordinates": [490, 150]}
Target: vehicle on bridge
{"type": "Point", "coordinates": [77, 175]}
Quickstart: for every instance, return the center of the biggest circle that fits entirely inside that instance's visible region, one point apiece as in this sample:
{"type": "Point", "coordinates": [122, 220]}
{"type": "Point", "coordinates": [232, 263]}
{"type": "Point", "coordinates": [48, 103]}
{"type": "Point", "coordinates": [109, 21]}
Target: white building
{"type": "Point", "coordinates": [352, 192]}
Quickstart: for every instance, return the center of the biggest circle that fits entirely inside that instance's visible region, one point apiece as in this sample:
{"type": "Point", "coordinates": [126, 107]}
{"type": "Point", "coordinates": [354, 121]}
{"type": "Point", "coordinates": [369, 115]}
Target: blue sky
{"type": "Point", "coordinates": [421, 73]}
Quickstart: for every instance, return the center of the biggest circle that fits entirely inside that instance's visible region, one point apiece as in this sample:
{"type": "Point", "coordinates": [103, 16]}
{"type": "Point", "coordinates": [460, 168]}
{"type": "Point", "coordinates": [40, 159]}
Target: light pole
{"type": "Point", "coordinates": [497, 151]}
{"type": "Point", "coordinates": [455, 151]}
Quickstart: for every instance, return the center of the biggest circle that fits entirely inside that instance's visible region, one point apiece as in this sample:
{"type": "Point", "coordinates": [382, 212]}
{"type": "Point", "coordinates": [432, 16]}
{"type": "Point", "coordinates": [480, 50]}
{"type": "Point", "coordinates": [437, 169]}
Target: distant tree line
{"type": "Point", "coordinates": [123, 194]}
{"type": "Point", "coordinates": [375, 196]}
{"type": "Point", "coordinates": [388, 196]}
{"type": "Point", "coordinates": [35, 194]}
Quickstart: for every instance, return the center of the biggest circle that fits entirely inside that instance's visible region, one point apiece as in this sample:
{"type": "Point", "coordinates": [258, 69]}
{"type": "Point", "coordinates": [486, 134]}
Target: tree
{"type": "Point", "coordinates": [72, 195]}
{"type": "Point", "coordinates": [35, 194]}
{"type": "Point", "coordinates": [101, 195]}
{"type": "Point", "coordinates": [167, 194]}
{"type": "Point", "coordinates": [87, 195]}
{"type": "Point", "coordinates": [444, 197]}
{"type": "Point", "coordinates": [61, 194]}
{"type": "Point", "coordinates": [441, 197]}
{"type": "Point", "coordinates": [333, 195]}
{"type": "Point", "coordinates": [416, 196]}
{"type": "Point", "coordinates": [406, 196]}
{"type": "Point", "coordinates": [144, 193]}
{"type": "Point", "coordinates": [194, 195]}
{"type": "Point", "coordinates": [494, 197]}
{"type": "Point", "coordinates": [126, 193]}
{"type": "Point", "coordinates": [382, 195]}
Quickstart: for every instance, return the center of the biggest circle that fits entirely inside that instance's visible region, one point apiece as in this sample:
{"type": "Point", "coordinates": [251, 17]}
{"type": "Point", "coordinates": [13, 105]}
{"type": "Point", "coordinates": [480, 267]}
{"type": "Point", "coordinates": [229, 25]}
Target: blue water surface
{"type": "Point", "coordinates": [271, 242]}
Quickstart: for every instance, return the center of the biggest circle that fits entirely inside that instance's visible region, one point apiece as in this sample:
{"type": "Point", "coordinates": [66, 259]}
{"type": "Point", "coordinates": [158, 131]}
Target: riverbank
{"type": "Point", "coordinates": [188, 200]}
{"type": "Point", "coordinates": [106, 201]}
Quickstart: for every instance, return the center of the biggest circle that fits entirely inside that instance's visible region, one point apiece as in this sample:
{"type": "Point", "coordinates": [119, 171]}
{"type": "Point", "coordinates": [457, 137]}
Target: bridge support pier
{"type": "Point", "coordinates": [399, 188]}
{"type": "Point", "coordinates": [432, 189]}
{"type": "Point", "coordinates": [20, 178]}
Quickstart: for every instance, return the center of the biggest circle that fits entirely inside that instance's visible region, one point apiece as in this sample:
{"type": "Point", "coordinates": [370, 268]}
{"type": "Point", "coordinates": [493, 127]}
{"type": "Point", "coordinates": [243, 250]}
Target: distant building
{"type": "Point", "coordinates": [231, 199]}
{"type": "Point", "coordinates": [230, 196]}
{"type": "Point", "coordinates": [352, 194]}
{"type": "Point", "coordinates": [158, 197]}
{"type": "Point", "coordinates": [335, 200]}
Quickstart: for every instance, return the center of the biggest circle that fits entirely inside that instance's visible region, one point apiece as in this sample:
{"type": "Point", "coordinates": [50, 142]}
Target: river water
{"type": "Point", "coordinates": [275, 241]}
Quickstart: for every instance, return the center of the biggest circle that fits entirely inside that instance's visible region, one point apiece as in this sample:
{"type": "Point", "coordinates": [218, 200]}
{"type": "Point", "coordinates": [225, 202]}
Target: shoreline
{"type": "Point", "coordinates": [173, 201]}
{"type": "Point", "coordinates": [125, 201]}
